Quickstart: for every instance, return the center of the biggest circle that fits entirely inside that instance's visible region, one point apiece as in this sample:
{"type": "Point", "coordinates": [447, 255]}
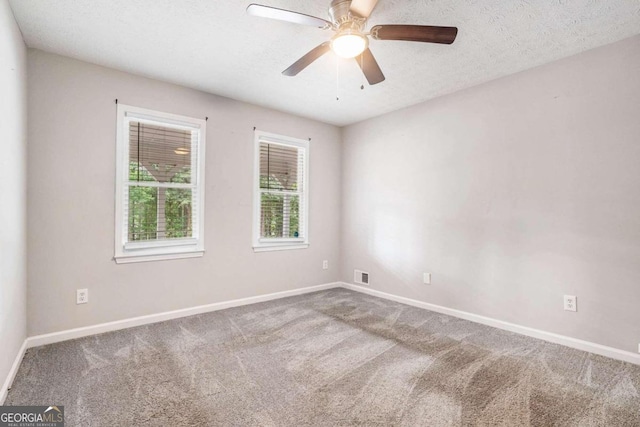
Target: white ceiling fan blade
{"type": "Point", "coordinates": [287, 15]}
{"type": "Point", "coordinates": [363, 8]}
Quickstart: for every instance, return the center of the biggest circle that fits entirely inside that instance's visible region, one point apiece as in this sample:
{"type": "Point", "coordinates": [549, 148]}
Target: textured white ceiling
{"type": "Point", "coordinates": [213, 45]}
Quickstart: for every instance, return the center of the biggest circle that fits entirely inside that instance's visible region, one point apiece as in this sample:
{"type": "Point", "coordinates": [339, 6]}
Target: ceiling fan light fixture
{"type": "Point", "coordinates": [349, 44]}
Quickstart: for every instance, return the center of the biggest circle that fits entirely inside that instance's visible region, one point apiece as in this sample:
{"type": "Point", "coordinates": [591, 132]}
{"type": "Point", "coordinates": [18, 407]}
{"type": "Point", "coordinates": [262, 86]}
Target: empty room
{"type": "Point", "coordinates": [319, 213]}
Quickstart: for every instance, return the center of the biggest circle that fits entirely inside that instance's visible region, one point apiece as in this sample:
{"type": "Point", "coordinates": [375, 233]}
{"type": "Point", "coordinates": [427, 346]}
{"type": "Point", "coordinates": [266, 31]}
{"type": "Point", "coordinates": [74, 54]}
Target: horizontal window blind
{"type": "Point", "coordinates": [281, 191]}
{"type": "Point", "coordinates": [160, 195]}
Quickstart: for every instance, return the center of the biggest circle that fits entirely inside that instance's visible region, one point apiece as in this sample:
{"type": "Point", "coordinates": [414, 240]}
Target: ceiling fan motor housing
{"type": "Point", "coordinates": [339, 11]}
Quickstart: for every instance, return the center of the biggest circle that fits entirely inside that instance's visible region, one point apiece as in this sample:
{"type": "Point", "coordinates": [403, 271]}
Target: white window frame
{"type": "Point", "coordinates": [156, 250]}
{"type": "Point", "coordinates": [265, 244]}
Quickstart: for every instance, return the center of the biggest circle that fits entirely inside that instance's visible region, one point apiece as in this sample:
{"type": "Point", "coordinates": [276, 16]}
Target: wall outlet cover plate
{"type": "Point", "coordinates": [570, 303]}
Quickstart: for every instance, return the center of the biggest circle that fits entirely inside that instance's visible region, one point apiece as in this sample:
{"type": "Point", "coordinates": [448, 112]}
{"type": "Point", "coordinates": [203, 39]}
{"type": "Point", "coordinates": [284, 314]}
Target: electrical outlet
{"type": "Point", "coordinates": [570, 303]}
{"type": "Point", "coordinates": [82, 296]}
{"type": "Point", "coordinates": [325, 264]}
{"type": "Point", "coordinates": [426, 278]}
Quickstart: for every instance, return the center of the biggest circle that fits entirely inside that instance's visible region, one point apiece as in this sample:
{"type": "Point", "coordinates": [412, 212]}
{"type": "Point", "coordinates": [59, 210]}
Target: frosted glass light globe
{"type": "Point", "coordinates": [349, 45]}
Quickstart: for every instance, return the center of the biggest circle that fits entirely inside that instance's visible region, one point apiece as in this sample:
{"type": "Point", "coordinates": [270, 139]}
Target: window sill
{"type": "Point", "coordinates": [280, 247]}
{"type": "Point", "coordinates": [131, 258]}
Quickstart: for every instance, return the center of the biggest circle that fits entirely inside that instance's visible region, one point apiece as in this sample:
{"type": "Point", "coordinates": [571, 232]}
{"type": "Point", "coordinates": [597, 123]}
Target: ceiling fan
{"type": "Point", "coordinates": [348, 21]}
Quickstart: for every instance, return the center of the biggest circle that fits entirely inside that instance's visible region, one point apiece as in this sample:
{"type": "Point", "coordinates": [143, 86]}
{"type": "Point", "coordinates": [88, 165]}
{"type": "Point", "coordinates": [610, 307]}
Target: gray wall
{"type": "Point", "coordinates": [13, 200]}
{"type": "Point", "coordinates": [71, 200]}
{"type": "Point", "coordinates": [511, 194]}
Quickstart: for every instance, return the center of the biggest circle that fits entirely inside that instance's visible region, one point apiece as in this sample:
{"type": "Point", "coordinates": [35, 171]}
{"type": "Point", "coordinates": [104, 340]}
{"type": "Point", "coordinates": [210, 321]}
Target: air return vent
{"type": "Point", "coordinates": [360, 277]}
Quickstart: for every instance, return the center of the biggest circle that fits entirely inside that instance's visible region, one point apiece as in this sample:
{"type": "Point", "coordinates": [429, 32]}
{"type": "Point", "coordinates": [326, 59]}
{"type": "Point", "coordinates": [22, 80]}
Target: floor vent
{"type": "Point", "coordinates": [360, 277]}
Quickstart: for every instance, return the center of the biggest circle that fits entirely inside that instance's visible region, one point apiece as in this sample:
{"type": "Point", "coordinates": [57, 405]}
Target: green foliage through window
{"type": "Point", "coordinates": [144, 209]}
{"type": "Point", "coordinates": [143, 213]}
{"type": "Point", "coordinates": [276, 210]}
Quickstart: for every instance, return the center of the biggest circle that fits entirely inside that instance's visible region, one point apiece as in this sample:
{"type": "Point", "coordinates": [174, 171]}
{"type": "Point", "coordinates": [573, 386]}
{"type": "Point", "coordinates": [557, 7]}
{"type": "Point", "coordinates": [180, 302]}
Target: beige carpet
{"type": "Point", "coordinates": [332, 358]}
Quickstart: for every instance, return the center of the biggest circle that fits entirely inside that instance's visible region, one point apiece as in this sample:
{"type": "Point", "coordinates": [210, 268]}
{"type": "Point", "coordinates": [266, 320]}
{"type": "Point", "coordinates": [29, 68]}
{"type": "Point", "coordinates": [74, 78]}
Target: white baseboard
{"type": "Point", "coordinates": [587, 346]}
{"type": "Point", "coordinates": [12, 373]}
{"type": "Point", "coordinates": [70, 334]}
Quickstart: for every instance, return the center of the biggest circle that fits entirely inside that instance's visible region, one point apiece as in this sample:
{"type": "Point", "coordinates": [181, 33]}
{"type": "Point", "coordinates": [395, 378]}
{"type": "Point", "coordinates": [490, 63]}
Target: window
{"type": "Point", "coordinates": [159, 186]}
{"type": "Point", "coordinates": [281, 190]}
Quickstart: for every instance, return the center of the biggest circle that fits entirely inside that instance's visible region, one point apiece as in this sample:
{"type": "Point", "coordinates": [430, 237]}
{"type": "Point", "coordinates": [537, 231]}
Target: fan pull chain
{"type": "Point", "coordinates": [362, 68]}
{"type": "Point", "coordinates": [337, 78]}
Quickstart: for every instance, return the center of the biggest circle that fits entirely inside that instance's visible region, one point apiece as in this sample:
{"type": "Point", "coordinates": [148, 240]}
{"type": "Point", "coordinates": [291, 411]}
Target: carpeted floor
{"type": "Point", "coordinates": [332, 358]}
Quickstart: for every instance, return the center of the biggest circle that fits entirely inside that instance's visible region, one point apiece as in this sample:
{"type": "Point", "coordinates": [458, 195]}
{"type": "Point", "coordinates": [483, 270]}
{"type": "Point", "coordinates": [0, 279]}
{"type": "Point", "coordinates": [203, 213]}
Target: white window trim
{"type": "Point", "coordinates": [262, 244]}
{"type": "Point", "coordinates": [128, 252]}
